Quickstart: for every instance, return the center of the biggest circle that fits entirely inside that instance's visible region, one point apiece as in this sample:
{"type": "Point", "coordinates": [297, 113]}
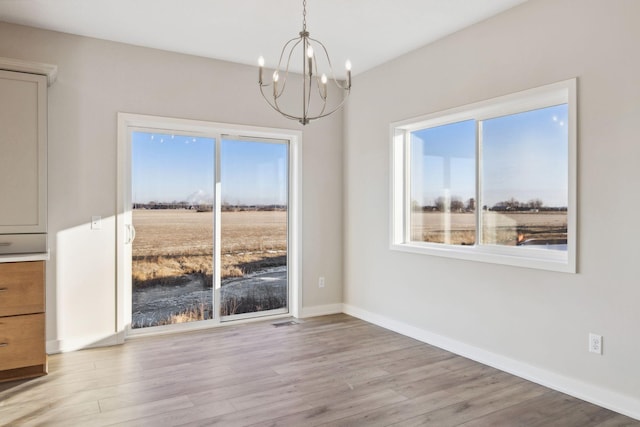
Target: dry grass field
{"type": "Point", "coordinates": [499, 227]}
{"type": "Point", "coordinates": [171, 244]}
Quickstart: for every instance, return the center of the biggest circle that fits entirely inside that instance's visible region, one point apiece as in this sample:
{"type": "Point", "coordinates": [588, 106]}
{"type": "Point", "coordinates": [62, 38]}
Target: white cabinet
{"type": "Point", "coordinates": [23, 162]}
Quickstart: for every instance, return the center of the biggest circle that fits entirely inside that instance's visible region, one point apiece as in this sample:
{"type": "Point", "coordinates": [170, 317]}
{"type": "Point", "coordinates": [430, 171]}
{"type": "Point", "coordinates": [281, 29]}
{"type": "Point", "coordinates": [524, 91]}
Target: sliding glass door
{"type": "Point", "coordinates": [172, 215]}
{"type": "Point", "coordinates": [253, 219]}
{"type": "Point", "coordinates": [205, 223]}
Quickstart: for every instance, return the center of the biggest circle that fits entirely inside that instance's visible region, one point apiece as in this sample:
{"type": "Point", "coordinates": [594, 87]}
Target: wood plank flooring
{"type": "Point", "coordinates": [329, 371]}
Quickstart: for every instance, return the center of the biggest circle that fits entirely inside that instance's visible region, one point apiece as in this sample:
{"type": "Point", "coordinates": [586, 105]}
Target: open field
{"type": "Point", "coordinates": [501, 228]}
{"type": "Point", "coordinates": [172, 266]}
{"type": "Point", "coordinates": [174, 243]}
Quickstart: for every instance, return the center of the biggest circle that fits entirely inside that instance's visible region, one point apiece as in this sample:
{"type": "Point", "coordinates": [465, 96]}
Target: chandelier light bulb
{"type": "Point", "coordinates": [276, 76]}
{"type": "Point", "coordinates": [347, 65]}
{"type": "Point", "coordinates": [310, 52]}
{"type": "Point", "coordinates": [323, 90]}
{"type": "Point", "coordinates": [261, 64]}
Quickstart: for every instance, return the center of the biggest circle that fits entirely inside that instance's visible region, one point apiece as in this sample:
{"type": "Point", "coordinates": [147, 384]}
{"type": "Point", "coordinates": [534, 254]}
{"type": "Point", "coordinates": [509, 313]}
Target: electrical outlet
{"type": "Point", "coordinates": [595, 343]}
{"type": "Point", "coordinates": [321, 282]}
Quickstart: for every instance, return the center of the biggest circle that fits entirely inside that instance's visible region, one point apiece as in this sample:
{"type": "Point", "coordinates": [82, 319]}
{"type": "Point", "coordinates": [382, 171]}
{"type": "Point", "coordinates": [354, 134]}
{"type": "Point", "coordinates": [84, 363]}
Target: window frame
{"type": "Point", "coordinates": [129, 122]}
{"type": "Point", "coordinates": [564, 92]}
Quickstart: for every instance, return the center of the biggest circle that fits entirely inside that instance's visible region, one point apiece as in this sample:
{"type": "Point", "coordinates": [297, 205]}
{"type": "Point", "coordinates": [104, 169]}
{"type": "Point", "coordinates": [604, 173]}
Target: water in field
{"type": "Point", "coordinates": [166, 304]}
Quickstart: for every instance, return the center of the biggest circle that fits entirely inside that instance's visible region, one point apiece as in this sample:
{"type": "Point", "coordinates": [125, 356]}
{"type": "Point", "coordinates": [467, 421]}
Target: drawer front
{"type": "Point", "coordinates": [22, 341]}
{"type": "Point", "coordinates": [21, 288]}
{"type": "Point", "coordinates": [22, 243]}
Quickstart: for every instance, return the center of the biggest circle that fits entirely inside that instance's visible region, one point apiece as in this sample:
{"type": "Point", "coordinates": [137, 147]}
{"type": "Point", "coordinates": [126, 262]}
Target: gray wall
{"type": "Point", "coordinates": [97, 79]}
{"type": "Point", "coordinates": [530, 321]}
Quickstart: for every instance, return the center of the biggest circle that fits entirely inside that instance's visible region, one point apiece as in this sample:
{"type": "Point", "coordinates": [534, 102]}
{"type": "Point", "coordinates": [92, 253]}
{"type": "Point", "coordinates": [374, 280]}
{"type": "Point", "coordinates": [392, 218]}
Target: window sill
{"type": "Point", "coordinates": [540, 259]}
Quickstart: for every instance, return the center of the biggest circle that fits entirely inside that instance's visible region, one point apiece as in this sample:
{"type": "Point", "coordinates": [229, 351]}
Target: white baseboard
{"type": "Point", "coordinates": [66, 345]}
{"type": "Point", "coordinates": [609, 399]}
{"type": "Point", "coordinates": [320, 310]}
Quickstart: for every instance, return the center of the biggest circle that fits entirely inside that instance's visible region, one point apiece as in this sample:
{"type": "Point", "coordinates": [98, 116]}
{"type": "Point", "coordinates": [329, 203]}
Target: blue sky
{"type": "Point", "coordinates": [254, 172]}
{"type": "Point", "coordinates": [167, 168]}
{"type": "Point", "coordinates": [524, 156]}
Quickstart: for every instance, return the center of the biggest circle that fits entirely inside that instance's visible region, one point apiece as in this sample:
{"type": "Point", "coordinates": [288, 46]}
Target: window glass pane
{"type": "Point", "coordinates": [172, 254]}
{"type": "Point", "coordinates": [254, 236]}
{"type": "Point", "coordinates": [524, 179]}
{"type": "Point", "coordinates": [442, 184]}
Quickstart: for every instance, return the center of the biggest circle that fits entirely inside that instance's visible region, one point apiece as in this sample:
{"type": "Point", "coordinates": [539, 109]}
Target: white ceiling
{"type": "Point", "coordinates": [368, 32]}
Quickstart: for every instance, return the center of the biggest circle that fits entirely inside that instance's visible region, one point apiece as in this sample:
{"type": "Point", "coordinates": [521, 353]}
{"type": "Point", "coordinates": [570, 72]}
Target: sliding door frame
{"type": "Point", "coordinates": [127, 123]}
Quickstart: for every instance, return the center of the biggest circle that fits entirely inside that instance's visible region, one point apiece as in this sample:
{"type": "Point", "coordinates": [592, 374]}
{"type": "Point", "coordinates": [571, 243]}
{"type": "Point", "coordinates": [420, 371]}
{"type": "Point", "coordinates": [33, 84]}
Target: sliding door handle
{"type": "Point", "coordinates": [131, 234]}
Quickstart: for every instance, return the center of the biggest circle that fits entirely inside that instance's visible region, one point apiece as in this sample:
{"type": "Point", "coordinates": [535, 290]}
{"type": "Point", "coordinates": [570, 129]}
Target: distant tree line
{"type": "Point", "coordinates": [227, 207]}
{"type": "Point", "coordinates": [456, 204]}
{"type": "Point", "coordinates": [536, 205]}
{"type": "Point", "coordinates": [173, 205]}
{"type": "Point", "coordinates": [208, 207]}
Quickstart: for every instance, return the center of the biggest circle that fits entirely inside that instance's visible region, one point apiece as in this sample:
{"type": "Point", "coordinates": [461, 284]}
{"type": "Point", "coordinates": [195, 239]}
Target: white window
{"type": "Point", "coordinates": [492, 181]}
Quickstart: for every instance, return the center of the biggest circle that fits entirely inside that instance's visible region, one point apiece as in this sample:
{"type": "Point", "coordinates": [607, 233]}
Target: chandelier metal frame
{"type": "Point", "coordinates": [314, 86]}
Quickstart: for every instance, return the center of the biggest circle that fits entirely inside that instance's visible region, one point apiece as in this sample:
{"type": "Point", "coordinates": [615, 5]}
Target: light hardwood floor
{"type": "Point", "coordinates": [331, 370]}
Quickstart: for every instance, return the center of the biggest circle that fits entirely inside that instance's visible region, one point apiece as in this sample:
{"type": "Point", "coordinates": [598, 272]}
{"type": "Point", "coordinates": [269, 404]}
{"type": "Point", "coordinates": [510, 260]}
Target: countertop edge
{"type": "Point", "coordinates": [42, 256]}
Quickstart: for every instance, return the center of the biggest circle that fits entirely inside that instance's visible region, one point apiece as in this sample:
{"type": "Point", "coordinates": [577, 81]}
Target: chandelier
{"type": "Point", "coordinates": [314, 85]}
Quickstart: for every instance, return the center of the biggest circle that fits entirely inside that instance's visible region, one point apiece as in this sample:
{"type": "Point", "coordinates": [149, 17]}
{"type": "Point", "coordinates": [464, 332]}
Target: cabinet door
{"type": "Point", "coordinates": [22, 341]}
{"type": "Point", "coordinates": [23, 162]}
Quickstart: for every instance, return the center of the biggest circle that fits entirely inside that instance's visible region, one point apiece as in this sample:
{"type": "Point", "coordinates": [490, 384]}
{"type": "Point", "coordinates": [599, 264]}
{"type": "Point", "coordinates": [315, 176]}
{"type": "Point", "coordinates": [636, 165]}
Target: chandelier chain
{"type": "Point", "coordinates": [304, 15]}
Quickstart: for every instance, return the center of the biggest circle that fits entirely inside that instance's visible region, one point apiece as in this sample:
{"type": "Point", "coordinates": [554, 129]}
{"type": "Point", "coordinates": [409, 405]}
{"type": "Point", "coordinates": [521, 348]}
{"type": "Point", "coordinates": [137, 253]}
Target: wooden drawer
{"type": "Point", "coordinates": [21, 288]}
{"type": "Point", "coordinates": [22, 341]}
